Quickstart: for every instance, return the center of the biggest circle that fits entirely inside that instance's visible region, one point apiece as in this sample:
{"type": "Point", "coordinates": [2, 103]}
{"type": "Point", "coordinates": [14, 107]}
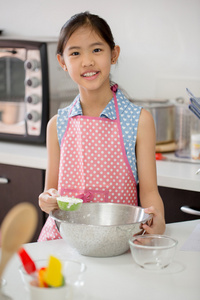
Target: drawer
{"type": "Point", "coordinates": [21, 184]}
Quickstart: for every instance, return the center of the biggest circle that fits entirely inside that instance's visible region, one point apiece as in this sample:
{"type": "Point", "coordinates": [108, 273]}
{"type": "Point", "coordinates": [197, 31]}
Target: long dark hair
{"type": "Point", "coordinates": [98, 24]}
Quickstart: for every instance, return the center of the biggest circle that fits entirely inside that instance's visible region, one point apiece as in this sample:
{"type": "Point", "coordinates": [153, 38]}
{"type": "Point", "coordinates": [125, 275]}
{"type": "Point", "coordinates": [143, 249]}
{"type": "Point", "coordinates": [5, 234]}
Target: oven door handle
{"type": "Point", "coordinates": [4, 180]}
{"type": "Point", "coordinates": [191, 211]}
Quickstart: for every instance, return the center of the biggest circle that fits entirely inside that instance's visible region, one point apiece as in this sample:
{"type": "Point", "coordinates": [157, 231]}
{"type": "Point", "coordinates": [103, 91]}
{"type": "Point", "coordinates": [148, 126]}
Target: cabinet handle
{"type": "Point", "coordinates": [3, 180]}
{"type": "Point", "coordinates": [191, 211]}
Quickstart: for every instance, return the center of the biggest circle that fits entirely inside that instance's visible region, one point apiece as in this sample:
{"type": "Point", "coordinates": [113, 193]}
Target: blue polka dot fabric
{"type": "Point", "coordinates": [129, 116]}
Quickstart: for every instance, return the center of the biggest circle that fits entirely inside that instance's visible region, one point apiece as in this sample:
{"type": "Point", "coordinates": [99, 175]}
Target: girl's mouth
{"type": "Point", "coordinates": [90, 75]}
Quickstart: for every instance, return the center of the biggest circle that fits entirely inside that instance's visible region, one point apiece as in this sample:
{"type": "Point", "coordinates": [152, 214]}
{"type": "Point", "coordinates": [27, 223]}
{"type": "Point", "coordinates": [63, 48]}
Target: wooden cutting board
{"type": "Point", "coordinates": [166, 147]}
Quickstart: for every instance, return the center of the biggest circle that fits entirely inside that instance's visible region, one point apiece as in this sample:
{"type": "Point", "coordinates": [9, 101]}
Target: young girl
{"type": "Point", "coordinates": [102, 144]}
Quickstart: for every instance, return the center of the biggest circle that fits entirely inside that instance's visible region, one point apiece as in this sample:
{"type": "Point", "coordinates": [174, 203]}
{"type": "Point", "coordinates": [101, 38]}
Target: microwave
{"type": "Point", "coordinates": [33, 87]}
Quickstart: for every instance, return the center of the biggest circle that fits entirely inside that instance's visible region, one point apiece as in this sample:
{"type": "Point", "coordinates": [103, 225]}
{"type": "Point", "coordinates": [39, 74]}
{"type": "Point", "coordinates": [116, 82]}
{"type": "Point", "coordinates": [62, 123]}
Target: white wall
{"type": "Point", "coordinates": [159, 39]}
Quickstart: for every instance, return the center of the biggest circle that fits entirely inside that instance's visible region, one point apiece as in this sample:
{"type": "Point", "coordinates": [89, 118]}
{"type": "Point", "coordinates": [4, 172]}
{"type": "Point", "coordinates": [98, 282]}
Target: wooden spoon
{"type": "Point", "coordinates": [17, 228]}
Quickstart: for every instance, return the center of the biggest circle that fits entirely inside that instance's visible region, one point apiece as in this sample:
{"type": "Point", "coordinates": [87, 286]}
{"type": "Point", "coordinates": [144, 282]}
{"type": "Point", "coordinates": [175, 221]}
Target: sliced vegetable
{"type": "Point", "coordinates": [41, 277]}
{"type": "Point", "coordinates": [53, 275]}
{"type": "Point", "coordinates": [27, 262]}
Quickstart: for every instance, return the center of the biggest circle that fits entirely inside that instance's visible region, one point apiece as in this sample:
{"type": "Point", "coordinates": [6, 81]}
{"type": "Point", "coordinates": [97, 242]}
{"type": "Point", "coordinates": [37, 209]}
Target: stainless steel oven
{"type": "Point", "coordinates": [32, 87]}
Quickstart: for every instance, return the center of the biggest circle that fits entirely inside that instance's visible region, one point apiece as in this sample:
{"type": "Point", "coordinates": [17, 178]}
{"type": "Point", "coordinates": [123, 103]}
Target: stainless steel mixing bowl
{"type": "Point", "coordinates": [100, 229]}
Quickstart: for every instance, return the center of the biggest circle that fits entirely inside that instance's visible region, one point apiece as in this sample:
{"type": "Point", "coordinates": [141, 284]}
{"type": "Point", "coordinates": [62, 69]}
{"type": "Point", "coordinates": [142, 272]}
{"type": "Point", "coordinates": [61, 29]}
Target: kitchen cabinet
{"type": "Point", "coordinates": [21, 184]}
{"type": "Point", "coordinates": [174, 199]}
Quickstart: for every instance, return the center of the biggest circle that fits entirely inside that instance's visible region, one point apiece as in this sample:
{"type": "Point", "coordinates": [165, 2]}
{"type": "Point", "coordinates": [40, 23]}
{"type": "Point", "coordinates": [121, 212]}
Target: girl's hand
{"type": "Point", "coordinates": [158, 223]}
{"type": "Point", "coordinates": [48, 201]}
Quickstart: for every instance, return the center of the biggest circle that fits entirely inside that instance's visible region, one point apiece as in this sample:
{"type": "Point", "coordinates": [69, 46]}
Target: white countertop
{"type": "Point", "coordinates": [24, 155]}
{"type": "Point", "coordinates": [117, 278]}
{"type": "Point", "coordinates": [180, 175]}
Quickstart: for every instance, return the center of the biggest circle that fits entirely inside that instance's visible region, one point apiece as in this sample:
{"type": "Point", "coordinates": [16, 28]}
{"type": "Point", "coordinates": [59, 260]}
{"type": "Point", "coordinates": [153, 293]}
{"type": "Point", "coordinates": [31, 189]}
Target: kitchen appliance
{"type": "Point", "coordinates": [32, 87]}
{"type": "Point", "coordinates": [174, 124]}
{"type": "Point", "coordinates": [163, 112]}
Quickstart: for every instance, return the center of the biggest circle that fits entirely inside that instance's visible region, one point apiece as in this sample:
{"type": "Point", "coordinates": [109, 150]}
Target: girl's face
{"type": "Point", "coordinates": [88, 58]}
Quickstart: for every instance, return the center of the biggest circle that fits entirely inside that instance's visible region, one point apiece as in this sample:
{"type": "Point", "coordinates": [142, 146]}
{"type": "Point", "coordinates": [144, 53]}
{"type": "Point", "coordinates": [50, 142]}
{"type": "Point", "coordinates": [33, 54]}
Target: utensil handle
{"type": "Point", "coordinates": [189, 92]}
{"type": "Point", "coordinates": [191, 211]}
{"type": "Point", "coordinates": [5, 257]}
{"type": "Point", "coordinates": [3, 180]}
{"type": "Point", "coordinates": [197, 172]}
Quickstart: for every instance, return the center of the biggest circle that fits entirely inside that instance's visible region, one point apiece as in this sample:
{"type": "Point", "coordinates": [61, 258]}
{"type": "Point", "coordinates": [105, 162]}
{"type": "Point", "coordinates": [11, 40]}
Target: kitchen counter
{"type": "Point", "coordinates": [23, 155]}
{"type": "Point", "coordinates": [116, 278]}
{"type": "Point", "coordinates": [179, 174]}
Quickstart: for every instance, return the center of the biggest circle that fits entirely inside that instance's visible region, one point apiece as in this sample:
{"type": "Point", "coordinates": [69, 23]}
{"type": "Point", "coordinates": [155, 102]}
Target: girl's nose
{"type": "Point", "coordinates": [87, 61]}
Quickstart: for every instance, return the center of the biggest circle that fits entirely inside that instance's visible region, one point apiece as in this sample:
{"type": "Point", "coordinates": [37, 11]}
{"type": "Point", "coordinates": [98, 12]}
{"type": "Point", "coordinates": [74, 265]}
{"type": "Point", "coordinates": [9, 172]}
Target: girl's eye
{"type": "Point", "coordinates": [97, 50]}
{"type": "Point", "coordinates": [75, 53]}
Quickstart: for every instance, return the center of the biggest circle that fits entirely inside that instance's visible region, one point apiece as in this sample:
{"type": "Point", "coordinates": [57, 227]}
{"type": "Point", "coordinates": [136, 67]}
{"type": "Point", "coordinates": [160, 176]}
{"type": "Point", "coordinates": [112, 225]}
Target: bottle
{"type": "Point", "coordinates": [195, 146]}
{"type": "Point", "coordinates": [195, 139]}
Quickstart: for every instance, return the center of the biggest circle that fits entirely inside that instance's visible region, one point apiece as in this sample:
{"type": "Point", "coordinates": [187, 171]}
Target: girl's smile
{"type": "Point", "coordinates": [90, 75]}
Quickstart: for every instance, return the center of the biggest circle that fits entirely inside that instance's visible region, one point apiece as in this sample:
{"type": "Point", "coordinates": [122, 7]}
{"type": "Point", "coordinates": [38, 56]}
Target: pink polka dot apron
{"type": "Point", "coordinates": [93, 165]}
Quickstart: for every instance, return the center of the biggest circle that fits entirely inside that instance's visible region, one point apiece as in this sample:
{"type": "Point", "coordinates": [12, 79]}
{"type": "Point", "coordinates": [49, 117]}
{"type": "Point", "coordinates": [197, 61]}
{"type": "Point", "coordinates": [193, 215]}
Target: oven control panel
{"type": "Point", "coordinates": [33, 92]}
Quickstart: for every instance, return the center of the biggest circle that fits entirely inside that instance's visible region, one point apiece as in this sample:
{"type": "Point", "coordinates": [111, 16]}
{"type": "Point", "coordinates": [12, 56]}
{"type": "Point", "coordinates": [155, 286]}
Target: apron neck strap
{"type": "Point", "coordinates": [116, 105]}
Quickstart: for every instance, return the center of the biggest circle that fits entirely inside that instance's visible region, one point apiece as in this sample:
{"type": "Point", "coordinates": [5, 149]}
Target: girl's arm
{"type": "Point", "coordinates": [146, 164]}
{"type": "Point", "coordinates": [47, 200]}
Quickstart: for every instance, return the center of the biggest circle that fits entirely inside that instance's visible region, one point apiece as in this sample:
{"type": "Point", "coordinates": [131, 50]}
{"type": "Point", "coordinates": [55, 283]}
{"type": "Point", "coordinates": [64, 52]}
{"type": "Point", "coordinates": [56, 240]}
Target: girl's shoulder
{"type": "Point", "coordinates": [52, 123]}
{"type": "Point", "coordinates": [146, 119]}
{"type": "Point", "coordinates": [126, 105]}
